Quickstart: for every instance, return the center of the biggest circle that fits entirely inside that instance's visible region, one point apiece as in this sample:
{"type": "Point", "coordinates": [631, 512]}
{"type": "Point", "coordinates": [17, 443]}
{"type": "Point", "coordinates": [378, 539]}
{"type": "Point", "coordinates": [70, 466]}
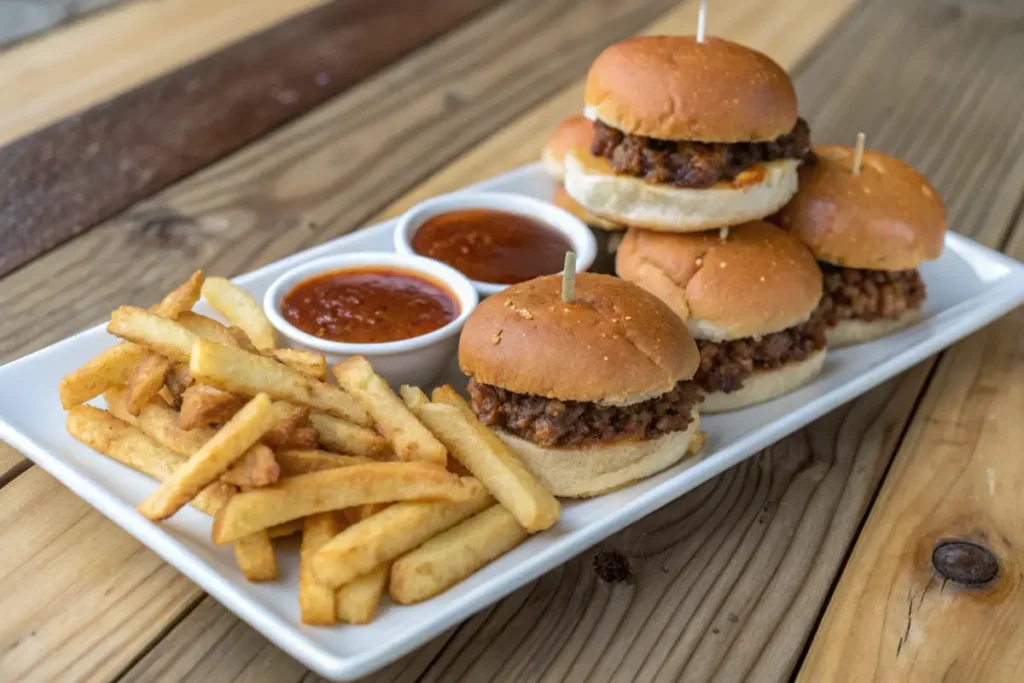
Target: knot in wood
{"type": "Point", "coordinates": [612, 567]}
{"type": "Point", "coordinates": [965, 562]}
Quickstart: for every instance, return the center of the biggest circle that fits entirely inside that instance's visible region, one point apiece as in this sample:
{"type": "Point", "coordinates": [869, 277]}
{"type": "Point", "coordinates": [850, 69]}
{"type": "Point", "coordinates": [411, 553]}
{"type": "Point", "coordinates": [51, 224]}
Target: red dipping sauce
{"type": "Point", "coordinates": [371, 305]}
{"type": "Point", "coordinates": [492, 246]}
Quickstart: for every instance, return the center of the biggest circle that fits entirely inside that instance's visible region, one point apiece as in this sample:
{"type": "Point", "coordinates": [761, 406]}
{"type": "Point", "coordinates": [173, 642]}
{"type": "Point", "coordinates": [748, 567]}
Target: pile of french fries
{"type": "Point", "coordinates": [409, 494]}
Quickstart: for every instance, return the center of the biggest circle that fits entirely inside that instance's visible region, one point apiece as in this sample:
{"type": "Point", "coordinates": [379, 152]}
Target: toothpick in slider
{"type": "Point", "coordinates": [723, 233]}
{"type": "Point", "coordinates": [702, 17]}
{"type": "Point", "coordinates": [569, 278]}
{"type": "Point", "coordinates": [858, 154]}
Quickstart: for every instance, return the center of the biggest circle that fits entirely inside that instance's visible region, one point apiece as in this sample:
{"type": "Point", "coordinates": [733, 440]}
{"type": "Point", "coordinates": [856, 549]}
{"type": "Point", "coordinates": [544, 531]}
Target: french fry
{"type": "Point", "coordinates": [212, 460]}
{"type": "Point", "coordinates": [361, 512]}
{"type": "Point", "coordinates": [207, 328]}
{"type": "Point", "coordinates": [163, 336]}
{"type": "Point", "coordinates": [294, 463]}
{"type": "Point", "coordinates": [345, 437]}
{"type": "Point", "coordinates": [307, 362]}
{"type": "Point", "coordinates": [239, 307]}
{"type": "Point", "coordinates": [289, 418]}
{"type": "Point", "coordinates": [357, 601]}
{"type": "Point", "coordinates": [413, 397]}
{"type": "Point", "coordinates": [111, 367]}
{"type": "Point", "coordinates": [255, 557]}
{"type": "Point", "coordinates": [317, 602]}
{"type": "Point", "coordinates": [145, 380]}
{"type": "Point", "coordinates": [490, 461]}
{"type": "Point", "coordinates": [246, 373]}
{"type": "Point", "coordinates": [309, 494]}
{"type": "Point", "coordinates": [241, 340]}
{"type": "Point", "coordinates": [286, 529]}
{"type": "Point", "coordinates": [410, 440]}
{"type": "Point", "coordinates": [202, 406]}
{"type": "Point", "coordinates": [455, 554]}
{"type": "Point", "coordinates": [257, 467]}
{"type": "Point", "coordinates": [392, 532]}
{"type": "Point", "coordinates": [182, 298]}
{"type": "Point", "coordinates": [125, 443]}
{"type": "Point", "coordinates": [302, 439]}
{"type": "Point", "coordinates": [176, 382]}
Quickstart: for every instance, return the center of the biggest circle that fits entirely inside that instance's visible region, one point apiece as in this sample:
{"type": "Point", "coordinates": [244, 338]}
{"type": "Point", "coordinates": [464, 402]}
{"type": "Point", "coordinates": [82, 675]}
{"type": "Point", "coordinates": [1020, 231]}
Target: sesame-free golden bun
{"type": "Point", "coordinates": [764, 385]}
{"type": "Point", "coordinates": [575, 131]}
{"type": "Point", "coordinates": [674, 88]}
{"type": "Point", "coordinates": [887, 217]}
{"type": "Point", "coordinates": [564, 200]}
{"type": "Point", "coordinates": [853, 331]}
{"type": "Point", "coordinates": [758, 280]}
{"type": "Point", "coordinates": [615, 344]}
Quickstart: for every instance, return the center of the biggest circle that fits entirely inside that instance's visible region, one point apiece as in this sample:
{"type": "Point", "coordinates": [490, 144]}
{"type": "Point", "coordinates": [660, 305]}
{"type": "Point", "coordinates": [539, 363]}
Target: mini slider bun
{"type": "Point", "coordinates": [757, 281]}
{"type": "Point", "coordinates": [615, 344]}
{"type": "Point", "coordinates": [674, 88]}
{"type": "Point", "coordinates": [575, 131]}
{"type": "Point", "coordinates": [887, 217]}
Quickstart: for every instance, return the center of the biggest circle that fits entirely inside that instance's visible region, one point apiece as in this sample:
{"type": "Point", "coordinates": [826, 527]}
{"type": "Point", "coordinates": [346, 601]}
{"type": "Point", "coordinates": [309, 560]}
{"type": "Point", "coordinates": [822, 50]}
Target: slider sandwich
{"type": "Point", "coordinates": [750, 300]}
{"type": "Point", "coordinates": [870, 231]}
{"type": "Point", "coordinates": [577, 132]}
{"type": "Point", "coordinates": [687, 135]}
{"type": "Point", "coordinates": [592, 394]}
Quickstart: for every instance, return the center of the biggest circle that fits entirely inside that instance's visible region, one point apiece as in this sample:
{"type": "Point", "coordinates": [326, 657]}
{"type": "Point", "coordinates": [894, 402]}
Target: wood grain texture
{"type": "Point", "coordinates": [64, 179]}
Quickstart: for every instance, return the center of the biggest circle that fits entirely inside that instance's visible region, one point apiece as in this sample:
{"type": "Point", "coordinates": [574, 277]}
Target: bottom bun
{"type": "Point", "coordinates": [631, 201]}
{"type": "Point", "coordinates": [766, 384]}
{"type": "Point", "coordinates": [847, 332]}
{"type": "Point", "coordinates": [585, 471]}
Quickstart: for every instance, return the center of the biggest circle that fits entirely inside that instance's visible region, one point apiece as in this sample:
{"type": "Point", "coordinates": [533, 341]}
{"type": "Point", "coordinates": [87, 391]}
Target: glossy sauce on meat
{"type": "Point", "coordinates": [369, 305]}
{"type": "Point", "coordinates": [492, 246]}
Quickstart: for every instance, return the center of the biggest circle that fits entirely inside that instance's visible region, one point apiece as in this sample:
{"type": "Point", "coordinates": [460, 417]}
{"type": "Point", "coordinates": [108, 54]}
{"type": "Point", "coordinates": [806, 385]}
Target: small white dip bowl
{"type": "Point", "coordinates": [559, 220]}
{"type": "Point", "coordinates": [415, 361]}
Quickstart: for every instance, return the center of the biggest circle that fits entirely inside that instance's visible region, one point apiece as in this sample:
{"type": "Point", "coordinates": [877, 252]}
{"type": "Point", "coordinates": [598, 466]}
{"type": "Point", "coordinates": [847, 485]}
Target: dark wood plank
{"type": "Point", "coordinates": [66, 178]}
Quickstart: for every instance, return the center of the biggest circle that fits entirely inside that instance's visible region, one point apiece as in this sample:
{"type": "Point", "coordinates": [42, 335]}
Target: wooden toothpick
{"type": "Point", "coordinates": [702, 17]}
{"type": "Point", "coordinates": [569, 278]}
{"type": "Point", "coordinates": [723, 233]}
{"type": "Point", "coordinates": [858, 154]}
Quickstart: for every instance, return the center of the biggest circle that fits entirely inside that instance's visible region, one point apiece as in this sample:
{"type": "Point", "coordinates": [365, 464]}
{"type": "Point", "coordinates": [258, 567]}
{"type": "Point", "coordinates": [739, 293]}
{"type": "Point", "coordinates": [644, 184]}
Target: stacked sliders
{"type": "Point", "coordinates": [870, 220]}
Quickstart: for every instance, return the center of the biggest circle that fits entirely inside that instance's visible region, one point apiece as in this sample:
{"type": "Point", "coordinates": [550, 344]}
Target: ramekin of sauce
{"type": "Point", "coordinates": [494, 238]}
{"type": "Point", "coordinates": [402, 312]}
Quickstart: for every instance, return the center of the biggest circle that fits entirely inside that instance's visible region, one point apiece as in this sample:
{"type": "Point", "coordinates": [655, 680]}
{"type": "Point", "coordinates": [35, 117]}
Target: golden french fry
{"type": "Point", "coordinates": [181, 299]}
{"type": "Point", "coordinates": [125, 443]}
{"type": "Point", "coordinates": [302, 439]}
{"type": "Point", "coordinates": [413, 397]}
{"type": "Point", "coordinates": [308, 494]}
{"type": "Point", "coordinates": [239, 307]}
{"type": "Point", "coordinates": [345, 437]}
{"type": "Point", "coordinates": [176, 382]}
{"type": "Point", "coordinates": [256, 467]}
{"type": "Point", "coordinates": [246, 373]}
{"type": "Point", "coordinates": [207, 328]}
{"type": "Point", "coordinates": [307, 362]}
{"type": "Point", "coordinates": [145, 380]}
{"type": "Point", "coordinates": [163, 336]}
{"type": "Point", "coordinates": [455, 554]}
{"type": "Point", "coordinates": [357, 601]}
{"type": "Point", "coordinates": [241, 340]}
{"type": "Point", "coordinates": [289, 419]}
{"type": "Point", "coordinates": [317, 604]}
{"type": "Point", "coordinates": [287, 529]}
{"type": "Point", "coordinates": [212, 460]}
{"type": "Point", "coordinates": [390, 533]}
{"type": "Point", "coordinates": [361, 512]}
{"type": "Point", "coordinates": [113, 366]}
{"type": "Point", "coordinates": [490, 461]}
{"type": "Point", "coordinates": [255, 557]}
{"type": "Point", "coordinates": [202, 406]}
{"type": "Point", "coordinates": [295, 462]}
{"type": "Point", "coordinates": [410, 440]}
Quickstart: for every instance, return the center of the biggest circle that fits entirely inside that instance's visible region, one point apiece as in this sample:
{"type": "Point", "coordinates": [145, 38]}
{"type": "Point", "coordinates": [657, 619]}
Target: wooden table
{"type": "Point", "coordinates": [157, 137]}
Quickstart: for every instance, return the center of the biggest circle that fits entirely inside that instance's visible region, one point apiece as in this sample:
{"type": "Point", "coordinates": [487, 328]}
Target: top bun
{"type": "Point", "coordinates": [887, 217]}
{"type": "Point", "coordinates": [759, 280]}
{"type": "Point", "coordinates": [575, 131]}
{"type": "Point", "coordinates": [674, 88]}
{"type": "Point", "coordinates": [615, 344]}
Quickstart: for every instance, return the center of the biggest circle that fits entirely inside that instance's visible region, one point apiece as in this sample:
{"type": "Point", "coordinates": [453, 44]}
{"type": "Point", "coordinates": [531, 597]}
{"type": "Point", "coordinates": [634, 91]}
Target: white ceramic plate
{"type": "Point", "coordinates": [967, 288]}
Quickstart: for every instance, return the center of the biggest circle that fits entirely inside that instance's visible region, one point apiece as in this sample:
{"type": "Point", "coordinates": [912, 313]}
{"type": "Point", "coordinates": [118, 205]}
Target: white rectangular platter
{"type": "Point", "coordinates": [968, 287]}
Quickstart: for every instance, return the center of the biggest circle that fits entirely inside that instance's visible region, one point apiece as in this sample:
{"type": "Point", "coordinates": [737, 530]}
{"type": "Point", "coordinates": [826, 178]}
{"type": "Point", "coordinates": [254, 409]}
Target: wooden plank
{"type": "Point", "coordinates": [64, 179]}
{"type": "Point", "coordinates": [71, 69]}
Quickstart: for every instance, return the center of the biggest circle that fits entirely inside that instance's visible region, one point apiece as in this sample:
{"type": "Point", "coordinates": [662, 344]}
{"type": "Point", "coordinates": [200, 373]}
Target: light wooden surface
{"type": "Point", "coordinates": [727, 583]}
{"type": "Point", "coordinates": [108, 53]}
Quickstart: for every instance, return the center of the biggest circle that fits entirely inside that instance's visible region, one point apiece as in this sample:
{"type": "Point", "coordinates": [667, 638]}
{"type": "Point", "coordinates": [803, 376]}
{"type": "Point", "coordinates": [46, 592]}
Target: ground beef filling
{"type": "Point", "coordinates": [550, 422]}
{"type": "Point", "coordinates": [724, 365]}
{"type": "Point", "coordinates": [694, 164]}
{"type": "Point", "coordinates": [860, 294]}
